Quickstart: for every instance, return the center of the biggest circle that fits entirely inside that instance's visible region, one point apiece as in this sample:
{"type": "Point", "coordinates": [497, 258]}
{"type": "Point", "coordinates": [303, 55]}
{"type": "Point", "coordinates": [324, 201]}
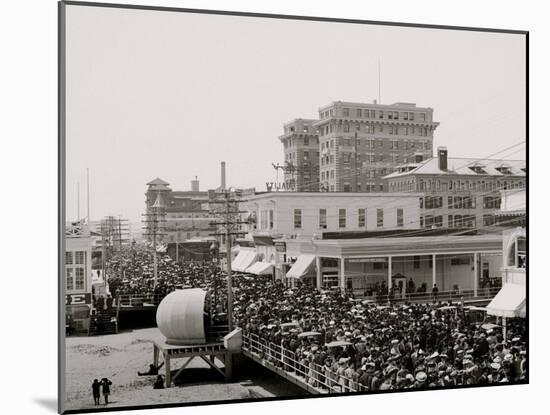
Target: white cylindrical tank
{"type": "Point", "coordinates": [180, 316]}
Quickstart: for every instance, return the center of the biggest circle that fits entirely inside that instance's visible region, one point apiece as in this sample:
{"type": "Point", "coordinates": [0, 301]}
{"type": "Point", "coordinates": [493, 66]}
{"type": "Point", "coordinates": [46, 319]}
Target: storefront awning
{"type": "Point", "coordinates": [509, 302]}
{"type": "Point", "coordinates": [301, 267]}
{"type": "Point", "coordinates": [260, 268]}
{"type": "Point", "coordinates": [244, 259]}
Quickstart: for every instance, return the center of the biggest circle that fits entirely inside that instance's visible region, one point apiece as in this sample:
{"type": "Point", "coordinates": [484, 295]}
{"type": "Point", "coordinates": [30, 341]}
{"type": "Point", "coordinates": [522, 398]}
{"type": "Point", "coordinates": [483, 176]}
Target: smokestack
{"type": "Point", "coordinates": [442, 156]}
{"type": "Point", "coordinates": [195, 185]}
{"type": "Point", "coordinates": [223, 176]}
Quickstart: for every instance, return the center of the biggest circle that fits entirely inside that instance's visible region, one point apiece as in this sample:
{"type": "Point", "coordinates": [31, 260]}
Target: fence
{"type": "Point", "coordinates": [312, 375]}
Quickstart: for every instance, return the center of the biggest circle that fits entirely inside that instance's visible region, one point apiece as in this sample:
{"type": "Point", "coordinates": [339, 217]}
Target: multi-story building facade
{"type": "Point", "coordinates": [185, 213]}
{"type": "Point", "coordinates": [458, 192]}
{"type": "Point", "coordinates": [78, 275]}
{"type": "Point", "coordinates": [360, 143]}
{"type": "Point", "coordinates": [305, 214]}
{"type": "Point", "coordinates": [301, 147]}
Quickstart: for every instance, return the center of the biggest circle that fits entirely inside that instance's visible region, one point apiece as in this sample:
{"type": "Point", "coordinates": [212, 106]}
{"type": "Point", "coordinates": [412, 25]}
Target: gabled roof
{"type": "Point", "coordinates": [158, 182]}
{"type": "Point", "coordinates": [462, 166]}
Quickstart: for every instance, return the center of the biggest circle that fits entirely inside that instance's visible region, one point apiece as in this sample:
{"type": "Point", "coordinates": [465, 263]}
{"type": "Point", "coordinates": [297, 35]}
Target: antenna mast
{"type": "Point", "coordinates": [379, 84]}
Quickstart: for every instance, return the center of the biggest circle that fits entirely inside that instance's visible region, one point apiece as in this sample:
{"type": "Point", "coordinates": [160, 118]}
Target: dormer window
{"type": "Point", "coordinates": [504, 170]}
{"type": "Point", "coordinates": [478, 169]}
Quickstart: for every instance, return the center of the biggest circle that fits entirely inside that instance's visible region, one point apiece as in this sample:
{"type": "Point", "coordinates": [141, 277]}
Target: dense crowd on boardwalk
{"type": "Point", "coordinates": [335, 341]}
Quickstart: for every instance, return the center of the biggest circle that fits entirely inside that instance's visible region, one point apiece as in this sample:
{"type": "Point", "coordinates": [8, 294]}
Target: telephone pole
{"type": "Point", "coordinates": [154, 228]}
{"type": "Point", "coordinates": [225, 208]}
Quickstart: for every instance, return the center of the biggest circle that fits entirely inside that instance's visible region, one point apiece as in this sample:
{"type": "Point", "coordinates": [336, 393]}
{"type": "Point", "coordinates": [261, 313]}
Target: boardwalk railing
{"type": "Point", "coordinates": [139, 300]}
{"type": "Point", "coordinates": [311, 375]}
{"type": "Point", "coordinates": [143, 300]}
{"type": "Point", "coordinates": [426, 297]}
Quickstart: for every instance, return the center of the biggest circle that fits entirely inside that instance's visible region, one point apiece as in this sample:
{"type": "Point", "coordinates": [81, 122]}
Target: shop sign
{"type": "Point", "coordinates": [280, 246]}
{"type": "Point", "coordinates": [78, 299]}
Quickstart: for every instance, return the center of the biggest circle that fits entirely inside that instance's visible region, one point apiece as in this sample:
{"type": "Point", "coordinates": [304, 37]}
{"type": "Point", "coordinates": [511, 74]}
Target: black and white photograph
{"type": "Point", "coordinates": [262, 207]}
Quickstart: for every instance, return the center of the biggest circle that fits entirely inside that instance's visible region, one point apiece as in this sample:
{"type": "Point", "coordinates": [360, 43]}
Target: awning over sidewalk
{"type": "Point", "coordinates": [301, 267]}
{"type": "Point", "coordinates": [509, 302]}
{"type": "Point", "coordinates": [244, 259]}
{"type": "Point", "coordinates": [260, 268]}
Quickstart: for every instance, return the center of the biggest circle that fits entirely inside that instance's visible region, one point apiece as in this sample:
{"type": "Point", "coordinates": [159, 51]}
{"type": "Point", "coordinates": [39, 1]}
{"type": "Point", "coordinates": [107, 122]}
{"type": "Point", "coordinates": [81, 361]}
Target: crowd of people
{"type": "Point", "coordinates": [130, 272]}
{"type": "Point", "coordinates": [340, 343]}
{"type": "Point", "coordinates": [337, 342]}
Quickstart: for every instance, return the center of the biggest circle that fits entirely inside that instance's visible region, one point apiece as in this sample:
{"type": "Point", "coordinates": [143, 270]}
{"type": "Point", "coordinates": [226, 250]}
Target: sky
{"type": "Point", "coordinates": [165, 94]}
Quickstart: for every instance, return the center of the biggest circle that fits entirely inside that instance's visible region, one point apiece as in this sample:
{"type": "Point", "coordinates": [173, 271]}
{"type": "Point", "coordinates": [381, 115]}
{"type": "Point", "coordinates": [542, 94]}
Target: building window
{"type": "Point", "coordinates": [461, 260]}
{"type": "Point", "coordinates": [68, 258]}
{"type": "Point", "coordinates": [79, 278]}
{"type": "Point", "coordinates": [346, 112]}
{"type": "Point", "coordinates": [416, 260]}
{"type": "Point", "coordinates": [379, 217]}
{"type": "Point", "coordinates": [488, 220]}
{"type": "Point", "coordinates": [306, 141]}
{"type": "Point", "coordinates": [517, 256]}
{"type": "Point", "coordinates": [322, 218]}
{"type": "Point", "coordinates": [270, 219]}
{"type": "Point", "coordinates": [341, 218]}
{"type": "Point", "coordinates": [361, 218]}
{"type": "Point", "coordinates": [491, 202]}
{"type": "Point", "coordinates": [429, 221]}
{"type": "Point", "coordinates": [359, 113]}
{"type": "Point", "coordinates": [69, 279]}
{"type": "Point", "coordinates": [400, 217]}
{"type": "Point", "coordinates": [79, 257]}
{"type": "Point", "coordinates": [297, 218]}
{"type": "Point", "coordinates": [380, 265]}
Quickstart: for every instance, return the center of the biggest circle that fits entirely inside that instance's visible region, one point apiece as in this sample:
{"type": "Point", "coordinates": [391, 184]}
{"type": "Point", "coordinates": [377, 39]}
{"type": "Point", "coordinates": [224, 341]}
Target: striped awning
{"type": "Point", "coordinates": [509, 302]}
{"type": "Point", "coordinates": [244, 259]}
{"type": "Point", "coordinates": [260, 268]}
{"type": "Point", "coordinates": [301, 267]}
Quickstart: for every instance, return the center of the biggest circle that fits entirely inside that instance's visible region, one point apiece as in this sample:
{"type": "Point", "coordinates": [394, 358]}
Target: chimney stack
{"type": "Point", "coordinates": [223, 176]}
{"type": "Point", "coordinates": [195, 185]}
{"type": "Point", "coordinates": [418, 157]}
{"type": "Point", "coordinates": [442, 156]}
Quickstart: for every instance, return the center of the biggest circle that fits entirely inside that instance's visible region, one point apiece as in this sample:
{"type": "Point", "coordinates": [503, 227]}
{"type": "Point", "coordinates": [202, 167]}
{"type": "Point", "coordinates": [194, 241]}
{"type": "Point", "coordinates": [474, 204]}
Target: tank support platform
{"type": "Point", "coordinates": [207, 352]}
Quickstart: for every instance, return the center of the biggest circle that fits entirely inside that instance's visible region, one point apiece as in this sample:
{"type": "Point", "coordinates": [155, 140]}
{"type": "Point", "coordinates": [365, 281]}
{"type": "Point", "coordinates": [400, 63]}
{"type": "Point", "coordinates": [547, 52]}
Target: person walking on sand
{"type": "Point", "coordinates": [106, 390]}
{"type": "Point", "coordinates": [95, 391]}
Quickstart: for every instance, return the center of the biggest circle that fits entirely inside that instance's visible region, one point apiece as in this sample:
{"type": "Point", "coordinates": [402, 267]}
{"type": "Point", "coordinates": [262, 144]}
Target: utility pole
{"type": "Point", "coordinates": [355, 172]}
{"type": "Point", "coordinates": [177, 243]}
{"type": "Point", "coordinates": [228, 221]}
{"type": "Point", "coordinates": [154, 228]}
{"type": "Point", "coordinates": [88, 194]}
{"type": "Point", "coordinates": [78, 201]}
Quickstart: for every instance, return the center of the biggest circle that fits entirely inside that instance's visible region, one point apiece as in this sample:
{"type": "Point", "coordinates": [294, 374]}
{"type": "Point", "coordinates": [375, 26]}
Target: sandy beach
{"type": "Point", "coordinates": [119, 357]}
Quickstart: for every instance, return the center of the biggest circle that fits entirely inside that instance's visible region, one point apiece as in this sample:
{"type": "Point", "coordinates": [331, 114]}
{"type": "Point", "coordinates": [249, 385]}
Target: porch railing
{"type": "Point", "coordinates": [425, 297]}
